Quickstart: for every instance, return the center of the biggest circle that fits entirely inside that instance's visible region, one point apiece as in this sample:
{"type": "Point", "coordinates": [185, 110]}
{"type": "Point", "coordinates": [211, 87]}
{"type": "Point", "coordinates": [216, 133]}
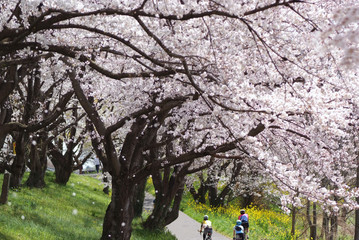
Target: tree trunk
{"type": "Point", "coordinates": [173, 214]}
{"type": "Point", "coordinates": [38, 163]}
{"type": "Point", "coordinates": [139, 198]}
{"type": "Point", "coordinates": [8, 85]}
{"type": "Point", "coordinates": [17, 171]}
{"type": "Point", "coordinates": [157, 218]}
{"type": "Point", "coordinates": [169, 191]}
{"type": "Point", "coordinates": [120, 212]}
{"type": "Point", "coordinates": [212, 184]}
{"type": "Point", "coordinates": [166, 208]}
{"type": "Point", "coordinates": [62, 165]}
{"type": "Point", "coordinates": [200, 195]}
{"type": "Point", "coordinates": [325, 227]}
{"type": "Point", "coordinates": [5, 188]}
{"type": "Point", "coordinates": [2, 167]}
{"type": "Point", "coordinates": [62, 174]}
{"type": "Point", "coordinates": [5, 117]}
{"type": "Point", "coordinates": [294, 215]}
{"type": "Point", "coordinates": [313, 230]}
{"type": "Point", "coordinates": [247, 200]}
{"type": "Point", "coordinates": [17, 168]}
{"type": "Point", "coordinates": [333, 227]}
{"type": "Point", "coordinates": [311, 223]}
{"type": "Point", "coordinates": [356, 235]}
{"type": "Point", "coordinates": [36, 178]}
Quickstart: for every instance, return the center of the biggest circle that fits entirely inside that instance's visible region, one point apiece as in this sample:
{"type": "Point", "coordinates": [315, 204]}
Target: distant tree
{"type": "Point", "coordinates": [66, 147]}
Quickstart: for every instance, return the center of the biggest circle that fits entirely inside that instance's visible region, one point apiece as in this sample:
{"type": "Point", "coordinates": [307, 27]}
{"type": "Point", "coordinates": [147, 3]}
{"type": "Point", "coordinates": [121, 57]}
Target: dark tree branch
{"type": "Point", "coordinates": [58, 110]}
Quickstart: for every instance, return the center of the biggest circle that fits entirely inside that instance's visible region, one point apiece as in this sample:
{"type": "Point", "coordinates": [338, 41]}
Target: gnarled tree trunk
{"type": "Point", "coordinates": [169, 191]}
{"type": "Point", "coordinates": [62, 164]}
{"type": "Point", "coordinates": [200, 195]}
{"type": "Point", "coordinates": [120, 212]}
{"type": "Point", "coordinates": [217, 198]}
{"type": "Point", "coordinates": [17, 169]}
{"type": "Point", "coordinates": [38, 163]}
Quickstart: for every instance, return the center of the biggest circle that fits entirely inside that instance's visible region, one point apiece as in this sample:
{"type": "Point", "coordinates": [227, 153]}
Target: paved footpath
{"type": "Point", "coordinates": [184, 227]}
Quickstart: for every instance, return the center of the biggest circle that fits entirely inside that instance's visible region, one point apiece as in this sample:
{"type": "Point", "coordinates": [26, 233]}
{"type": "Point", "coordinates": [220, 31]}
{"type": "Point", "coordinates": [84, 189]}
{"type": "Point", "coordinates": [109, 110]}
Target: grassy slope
{"type": "Point", "coordinates": [75, 211]}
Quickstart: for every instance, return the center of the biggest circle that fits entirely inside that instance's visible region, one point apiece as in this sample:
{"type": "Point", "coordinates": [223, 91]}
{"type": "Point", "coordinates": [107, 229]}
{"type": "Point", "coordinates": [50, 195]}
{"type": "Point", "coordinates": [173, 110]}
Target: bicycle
{"type": "Point", "coordinates": [239, 237]}
{"type": "Point", "coordinates": [208, 235]}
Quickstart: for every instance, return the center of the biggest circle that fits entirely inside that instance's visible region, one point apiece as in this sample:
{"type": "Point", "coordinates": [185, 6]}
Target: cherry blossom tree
{"type": "Point", "coordinates": [249, 74]}
{"type": "Point", "coordinates": [27, 127]}
{"type": "Point", "coordinates": [66, 146]}
{"type": "Point", "coordinates": [232, 176]}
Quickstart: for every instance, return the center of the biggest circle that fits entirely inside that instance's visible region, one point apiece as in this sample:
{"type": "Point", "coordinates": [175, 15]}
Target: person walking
{"type": "Point", "coordinates": [97, 164]}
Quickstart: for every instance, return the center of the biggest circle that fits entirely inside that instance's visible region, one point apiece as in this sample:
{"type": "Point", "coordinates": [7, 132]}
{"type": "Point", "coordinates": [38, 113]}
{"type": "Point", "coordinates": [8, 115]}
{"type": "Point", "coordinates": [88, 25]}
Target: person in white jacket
{"type": "Point", "coordinates": [97, 164]}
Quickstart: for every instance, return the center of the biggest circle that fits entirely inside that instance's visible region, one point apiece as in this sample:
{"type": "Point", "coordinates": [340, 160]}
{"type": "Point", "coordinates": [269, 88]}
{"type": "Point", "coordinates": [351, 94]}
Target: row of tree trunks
{"type": "Point", "coordinates": [210, 184]}
{"type": "Point", "coordinates": [217, 198]}
{"type": "Point", "coordinates": [23, 139]}
{"type": "Point", "coordinates": [128, 167]}
{"type": "Point", "coordinates": [329, 227]}
{"type": "Point", "coordinates": [169, 185]}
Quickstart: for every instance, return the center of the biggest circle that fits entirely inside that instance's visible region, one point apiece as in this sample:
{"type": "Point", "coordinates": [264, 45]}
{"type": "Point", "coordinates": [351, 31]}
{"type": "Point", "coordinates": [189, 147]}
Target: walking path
{"type": "Point", "coordinates": [184, 227]}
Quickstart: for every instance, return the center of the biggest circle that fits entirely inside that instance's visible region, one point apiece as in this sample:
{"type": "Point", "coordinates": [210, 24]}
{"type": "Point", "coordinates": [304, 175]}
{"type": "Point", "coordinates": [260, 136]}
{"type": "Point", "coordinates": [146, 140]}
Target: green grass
{"type": "Point", "coordinates": [140, 234]}
{"type": "Point", "coordinates": [75, 211]}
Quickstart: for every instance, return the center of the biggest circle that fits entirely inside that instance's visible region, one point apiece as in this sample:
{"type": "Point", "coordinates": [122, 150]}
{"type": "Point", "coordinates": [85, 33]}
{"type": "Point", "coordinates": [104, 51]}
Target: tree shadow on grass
{"type": "Point", "coordinates": [55, 229]}
{"type": "Point", "coordinates": [5, 237]}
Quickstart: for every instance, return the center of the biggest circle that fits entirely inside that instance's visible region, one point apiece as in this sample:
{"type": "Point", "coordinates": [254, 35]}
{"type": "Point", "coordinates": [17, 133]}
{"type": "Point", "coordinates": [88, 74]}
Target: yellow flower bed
{"type": "Point", "coordinates": [264, 223]}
